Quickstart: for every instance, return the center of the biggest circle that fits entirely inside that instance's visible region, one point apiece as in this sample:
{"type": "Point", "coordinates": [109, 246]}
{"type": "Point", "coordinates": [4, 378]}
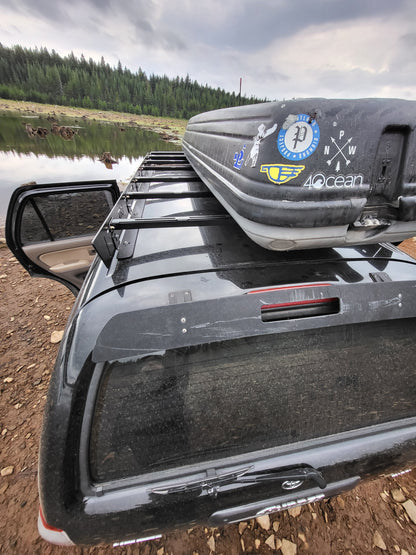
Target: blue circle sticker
{"type": "Point", "coordinates": [298, 137]}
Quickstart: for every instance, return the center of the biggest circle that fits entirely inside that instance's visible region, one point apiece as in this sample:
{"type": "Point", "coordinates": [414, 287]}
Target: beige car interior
{"type": "Point", "coordinates": [68, 258]}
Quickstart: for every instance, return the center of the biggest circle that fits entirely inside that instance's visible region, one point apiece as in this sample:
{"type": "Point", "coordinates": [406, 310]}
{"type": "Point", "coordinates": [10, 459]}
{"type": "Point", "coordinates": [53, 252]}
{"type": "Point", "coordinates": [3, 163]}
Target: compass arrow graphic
{"type": "Point", "coordinates": [340, 149]}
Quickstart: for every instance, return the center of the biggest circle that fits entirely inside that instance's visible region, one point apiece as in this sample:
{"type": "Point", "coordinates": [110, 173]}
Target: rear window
{"type": "Point", "coordinates": [227, 398]}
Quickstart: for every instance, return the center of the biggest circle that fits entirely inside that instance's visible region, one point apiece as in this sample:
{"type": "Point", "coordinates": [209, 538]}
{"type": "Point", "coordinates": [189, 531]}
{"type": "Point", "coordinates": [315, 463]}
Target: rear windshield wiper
{"type": "Point", "coordinates": [292, 478]}
{"type": "Point", "coordinates": [210, 482]}
{"type": "Point", "coordinates": [301, 473]}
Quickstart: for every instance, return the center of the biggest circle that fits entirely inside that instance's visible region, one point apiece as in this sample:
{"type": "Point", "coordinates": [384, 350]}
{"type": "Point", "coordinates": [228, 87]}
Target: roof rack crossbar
{"type": "Point", "coordinates": [178, 159]}
{"type": "Point", "coordinates": [163, 163]}
{"type": "Point", "coordinates": [165, 153]}
{"type": "Point", "coordinates": [166, 160]}
{"type": "Point", "coordinates": [164, 179]}
{"type": "Point", "coordinates": [171, 159]}
{"type": "Point", "coordinates": [178, 167]}
{"type": "Point", "coordinates": [166, 194]}
{"type": "Point", "coordinates": [173, 221]}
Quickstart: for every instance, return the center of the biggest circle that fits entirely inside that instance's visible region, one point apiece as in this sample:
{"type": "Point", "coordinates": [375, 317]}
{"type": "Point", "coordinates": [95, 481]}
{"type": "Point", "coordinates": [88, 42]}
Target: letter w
{"type": "Point", "coordinates": [352, 149]}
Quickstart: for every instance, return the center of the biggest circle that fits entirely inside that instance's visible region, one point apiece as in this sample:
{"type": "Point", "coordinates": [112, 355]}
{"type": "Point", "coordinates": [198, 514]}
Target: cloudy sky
{"type": "Point", "coordinates": [280, 48]}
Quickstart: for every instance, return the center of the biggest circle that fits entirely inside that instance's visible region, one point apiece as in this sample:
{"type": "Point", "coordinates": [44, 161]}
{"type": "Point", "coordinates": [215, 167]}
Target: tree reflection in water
{"type": "Point", "coordinates": [27, 157]}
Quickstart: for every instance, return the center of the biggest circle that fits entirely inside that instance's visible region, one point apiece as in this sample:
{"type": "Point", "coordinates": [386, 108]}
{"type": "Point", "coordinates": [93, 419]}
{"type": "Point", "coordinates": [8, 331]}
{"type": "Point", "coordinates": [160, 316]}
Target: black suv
{"type": "Point", "coordinates": [202, 378]}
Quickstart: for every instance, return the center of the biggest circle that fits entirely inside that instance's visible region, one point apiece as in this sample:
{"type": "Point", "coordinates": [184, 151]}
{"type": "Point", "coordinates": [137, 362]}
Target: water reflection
{"type": "Point", "coordinates": [16, 169]}
{"type": "Point", "coordinates": [70, 149]}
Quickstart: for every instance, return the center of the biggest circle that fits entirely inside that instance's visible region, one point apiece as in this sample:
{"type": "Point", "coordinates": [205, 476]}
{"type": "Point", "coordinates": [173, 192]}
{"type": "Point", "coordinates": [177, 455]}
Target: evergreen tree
{"type": "Point", "coordinates": [41, 76]}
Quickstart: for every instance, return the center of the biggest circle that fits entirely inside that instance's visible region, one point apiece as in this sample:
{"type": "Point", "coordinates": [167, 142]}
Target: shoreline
{"type": "Point", "coordinates": [169, 129]}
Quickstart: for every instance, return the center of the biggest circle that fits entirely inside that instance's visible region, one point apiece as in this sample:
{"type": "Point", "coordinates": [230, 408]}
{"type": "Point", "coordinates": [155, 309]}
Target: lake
{"type": "Point", "coordinates": [70, 153]}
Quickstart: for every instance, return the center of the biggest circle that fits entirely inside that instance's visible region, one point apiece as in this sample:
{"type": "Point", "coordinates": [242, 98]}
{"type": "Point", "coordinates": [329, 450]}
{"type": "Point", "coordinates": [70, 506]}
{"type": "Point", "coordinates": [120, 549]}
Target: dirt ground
{"type": "Point", "coordinates": [377, 516]}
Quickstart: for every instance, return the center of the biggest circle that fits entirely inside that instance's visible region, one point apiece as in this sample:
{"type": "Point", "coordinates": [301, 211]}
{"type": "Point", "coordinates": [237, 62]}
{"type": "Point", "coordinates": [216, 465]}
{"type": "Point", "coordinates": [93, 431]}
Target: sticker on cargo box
{"type": "Point", "coordinates": [339, 181]}
{"type": "Point", "coordinates": [339, 151]}
{"type": "Point", "coordinates": [262, 133]}
{"type": "Point", "coordinates": [238, 158]}
{"type": "Point", "coordinates": [281, 173]}
{"type": "Point", "coordinates": [298, 137]}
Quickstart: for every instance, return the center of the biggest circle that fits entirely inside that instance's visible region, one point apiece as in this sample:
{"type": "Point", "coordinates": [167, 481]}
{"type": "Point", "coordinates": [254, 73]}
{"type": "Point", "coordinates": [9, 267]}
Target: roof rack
{"type": "Point", "coordinates": [175, 161]}
{"type": "Point", "coordinates": [119, 232]}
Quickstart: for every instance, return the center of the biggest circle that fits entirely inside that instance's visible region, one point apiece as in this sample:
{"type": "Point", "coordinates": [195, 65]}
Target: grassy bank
{"type": "Point", "coordinates": [168, 128]}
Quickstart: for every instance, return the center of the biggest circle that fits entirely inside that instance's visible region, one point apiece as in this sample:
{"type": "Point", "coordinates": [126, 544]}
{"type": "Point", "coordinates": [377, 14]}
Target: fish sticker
{"type": "Point", "coordinates": [255, 149]}
{"type": "Point", "coordinates": [281, 173]}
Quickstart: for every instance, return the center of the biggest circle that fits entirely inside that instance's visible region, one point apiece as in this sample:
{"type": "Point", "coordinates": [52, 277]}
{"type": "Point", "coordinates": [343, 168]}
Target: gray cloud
{"type": "Point", "coordinates": [409, 41]}
{"type": "Point", "coordinates": [157, 36]}
{"type": "Point", "coordinates": [254, 25]}
{"type": "Point", "coordinates": [54, 11]}
{"type": "Point", "coordinates": [147, 20]}
{"type": "Point", "coordinates": [281, 48]}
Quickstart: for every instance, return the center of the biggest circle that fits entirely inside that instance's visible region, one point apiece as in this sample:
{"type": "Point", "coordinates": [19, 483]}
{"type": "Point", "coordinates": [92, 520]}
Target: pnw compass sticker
{"type": "Point", "coordinates": [340, 151]}
{"type": "Point", "coordinates": [298, 137]}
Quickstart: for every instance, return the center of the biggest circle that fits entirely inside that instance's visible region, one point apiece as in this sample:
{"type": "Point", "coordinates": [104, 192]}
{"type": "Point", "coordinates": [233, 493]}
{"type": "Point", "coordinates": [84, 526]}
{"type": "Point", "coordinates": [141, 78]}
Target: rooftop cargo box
{"type": "Point", "coordinates": [314, 172]}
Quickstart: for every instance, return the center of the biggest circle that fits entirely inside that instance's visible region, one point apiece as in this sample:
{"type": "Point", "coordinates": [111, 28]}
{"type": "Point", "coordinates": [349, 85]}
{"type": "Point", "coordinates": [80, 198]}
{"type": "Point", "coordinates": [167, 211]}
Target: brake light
{"type": "Point", "coordinates": [286, 287]}
{"type": "Point", "coordinates": [45, 524]}
{"type": "Point", "coordinates": [50, 533]}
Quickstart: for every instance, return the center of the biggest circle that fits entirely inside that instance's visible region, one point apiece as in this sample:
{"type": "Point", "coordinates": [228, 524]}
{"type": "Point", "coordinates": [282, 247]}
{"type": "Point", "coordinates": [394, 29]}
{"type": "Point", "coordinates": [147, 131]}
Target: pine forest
{"type": "Point", "coordinates": [38, 75]}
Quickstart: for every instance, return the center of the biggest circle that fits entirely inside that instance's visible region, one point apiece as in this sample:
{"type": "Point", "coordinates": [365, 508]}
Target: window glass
{"type": "Point", "coordinates": [32, 229]}
{"type": "Point", "coordinates": [64, 215]}
{"type": "Point", "coordinates": [212, 401]}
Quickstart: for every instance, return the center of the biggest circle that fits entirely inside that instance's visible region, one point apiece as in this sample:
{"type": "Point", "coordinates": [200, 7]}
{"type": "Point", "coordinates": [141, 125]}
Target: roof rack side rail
{"type": "Point", "coordinates": [172, 221]}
